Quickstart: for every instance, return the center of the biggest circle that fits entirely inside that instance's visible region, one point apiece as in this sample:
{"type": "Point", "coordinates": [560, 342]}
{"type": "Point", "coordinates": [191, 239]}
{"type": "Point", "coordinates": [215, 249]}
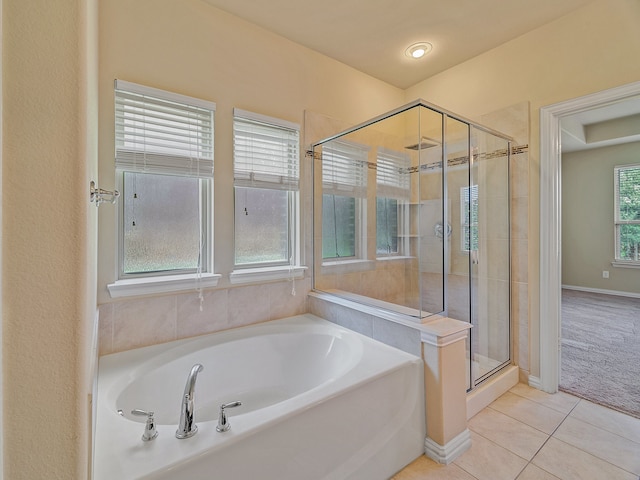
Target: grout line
{"type": "Point", "coordinates": [605, 428]}
{"type": "Point", "coordinates": [555, 430]}
{"type": "Point", "coordinates": [576, 447]}
{"type": "Point", "coordinates": [524, 423]}
{"type": "Point", "coordinates": [513, 453]}
{"type": "Point", "coordinates": [618, 467]}
{"type": "Point", "coordinates": [529, 462]}
{"type": "Point", "coordinates": [549, 407]}
{"type": "Point", "coordinates": [463, 469]}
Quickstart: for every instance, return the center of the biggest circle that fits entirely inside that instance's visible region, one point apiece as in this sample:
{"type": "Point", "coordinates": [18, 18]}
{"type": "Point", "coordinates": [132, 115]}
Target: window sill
{"type": "Point", "coordinates": [390, 258]}
{"type": "Point", "coordinates": [625, 264]}
{"type": "Point", "coordinates": [254, 275]}
{"type": "Point", "coordinates": [347, 266]}
{"type": "Point", "coordinates": [170, 283]}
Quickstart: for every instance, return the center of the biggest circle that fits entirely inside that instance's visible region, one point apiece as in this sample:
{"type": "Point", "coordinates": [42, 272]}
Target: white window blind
{"type": "Point", "coordinates": [162, 132]}
{"type": "Point", "coordinates": [469, 217]}
{"type": "Point", "coordinates": [392, 175]}
{"type": "Point", "coordinates": [344, 169]}
{"type": "Point", "coordinates": [265, 152]}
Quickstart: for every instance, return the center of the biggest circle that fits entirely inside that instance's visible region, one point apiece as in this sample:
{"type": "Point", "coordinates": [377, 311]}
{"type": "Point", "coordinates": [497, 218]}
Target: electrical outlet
{"type": "Point", "coordinates": [605, 274]}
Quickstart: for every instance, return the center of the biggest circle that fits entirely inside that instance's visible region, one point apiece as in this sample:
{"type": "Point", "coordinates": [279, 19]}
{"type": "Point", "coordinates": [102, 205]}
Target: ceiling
{"type": "Point", "coordinates": [601, 127]}
{"type": "Point", "coordinates": [372, 35]}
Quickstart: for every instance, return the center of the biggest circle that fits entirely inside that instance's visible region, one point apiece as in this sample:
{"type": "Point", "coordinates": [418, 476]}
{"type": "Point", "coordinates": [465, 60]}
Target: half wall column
{"type": "Point", "coordinates": [444, 355]}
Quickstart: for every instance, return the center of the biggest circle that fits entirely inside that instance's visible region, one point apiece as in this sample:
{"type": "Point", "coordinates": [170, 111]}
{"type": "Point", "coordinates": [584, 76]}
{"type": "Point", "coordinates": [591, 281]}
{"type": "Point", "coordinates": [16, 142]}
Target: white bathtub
{"type": "Point", "coordinates": [318, 402]}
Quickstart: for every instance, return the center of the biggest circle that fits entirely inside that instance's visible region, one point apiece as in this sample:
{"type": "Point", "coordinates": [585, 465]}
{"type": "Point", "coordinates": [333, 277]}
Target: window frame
{"type": "Point", "coordinates": [359, 247]}
{"type": "Point", "coordinates": [347, 177]}
{"type": "Point", "coordinates": [293, 228]}
{"type": "Point", "coordinates": [617, 222]}
{"type": "Point", "coordinates": [394, 183]}
{"type": "Point", "coordinates": [398, 236]}
{"type": "Point", "coordinates": [205, 195]}
{"type": "Point", "coordinates": [293, 204]}
{"type": "Point", "coordinates": [173, 165]}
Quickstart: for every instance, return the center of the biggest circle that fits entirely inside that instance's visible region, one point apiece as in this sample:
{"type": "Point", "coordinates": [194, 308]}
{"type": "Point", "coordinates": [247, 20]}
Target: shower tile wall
{"type": "Point", "coordinates": [514, 121]}
{"type": "Point", "coordinates": [492, 277]}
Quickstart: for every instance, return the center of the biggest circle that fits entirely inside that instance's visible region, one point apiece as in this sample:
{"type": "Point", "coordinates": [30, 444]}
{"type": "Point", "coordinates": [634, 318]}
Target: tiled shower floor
{"type": "Point", "coordinates": [527, 434]}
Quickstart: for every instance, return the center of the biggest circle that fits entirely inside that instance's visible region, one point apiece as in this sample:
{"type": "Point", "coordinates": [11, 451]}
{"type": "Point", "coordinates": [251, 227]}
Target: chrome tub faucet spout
{"type": "Point", "coordinates": [187, 428]}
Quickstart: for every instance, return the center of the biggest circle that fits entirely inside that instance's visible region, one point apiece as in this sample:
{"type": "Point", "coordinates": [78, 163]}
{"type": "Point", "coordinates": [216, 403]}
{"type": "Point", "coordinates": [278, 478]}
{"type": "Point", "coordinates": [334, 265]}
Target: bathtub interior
{"type": "Point", "coordinates": [267, 375]}
{"type": "Point", "coordinates": [302, 402]}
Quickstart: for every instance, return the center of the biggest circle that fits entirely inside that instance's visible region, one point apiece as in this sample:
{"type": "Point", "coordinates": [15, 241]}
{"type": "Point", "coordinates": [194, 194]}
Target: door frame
{"type": "Point", "coordinates": [551, 223]}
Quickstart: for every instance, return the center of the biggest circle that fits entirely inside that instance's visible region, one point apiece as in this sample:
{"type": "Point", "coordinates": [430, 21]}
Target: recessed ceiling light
{"type": "Point", "coordinates": [418, 50]}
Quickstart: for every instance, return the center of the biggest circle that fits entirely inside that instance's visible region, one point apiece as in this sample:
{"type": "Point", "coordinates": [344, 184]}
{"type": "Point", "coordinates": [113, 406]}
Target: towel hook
{"type": "Point", "coordinates": [99, 195]}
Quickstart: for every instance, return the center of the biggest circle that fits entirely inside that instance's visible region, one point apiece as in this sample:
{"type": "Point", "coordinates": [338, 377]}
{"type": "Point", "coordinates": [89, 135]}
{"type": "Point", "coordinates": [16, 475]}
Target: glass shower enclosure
{"type": "Point", "coordinates": [411, 215]}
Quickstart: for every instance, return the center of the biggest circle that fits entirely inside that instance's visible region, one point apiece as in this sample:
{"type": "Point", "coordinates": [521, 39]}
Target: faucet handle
{"type": "Point", "coordinates": [223, 422]}
{"type": "Point", "coordinates": [150, 431]}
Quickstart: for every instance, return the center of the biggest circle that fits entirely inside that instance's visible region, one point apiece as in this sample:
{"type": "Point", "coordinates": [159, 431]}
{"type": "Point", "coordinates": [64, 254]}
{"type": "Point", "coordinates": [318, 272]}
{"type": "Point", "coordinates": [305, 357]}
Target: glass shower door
{"type": "Point", "coordinates": [457, 253]}
{"type": "Point", "coordinates": [488, 232]}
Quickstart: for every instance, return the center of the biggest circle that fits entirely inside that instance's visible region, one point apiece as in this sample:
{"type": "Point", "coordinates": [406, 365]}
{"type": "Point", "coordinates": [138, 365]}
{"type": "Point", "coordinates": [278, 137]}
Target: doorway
{"type": "Point", "coordinates": [550, 223]}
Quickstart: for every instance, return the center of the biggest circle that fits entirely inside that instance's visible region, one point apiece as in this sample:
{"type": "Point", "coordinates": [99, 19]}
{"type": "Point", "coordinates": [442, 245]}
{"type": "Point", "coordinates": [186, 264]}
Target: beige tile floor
{"type": "Point", "coordinates": [527, 434]}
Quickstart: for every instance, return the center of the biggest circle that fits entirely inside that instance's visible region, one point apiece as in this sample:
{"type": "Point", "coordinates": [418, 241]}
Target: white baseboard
{"type": "Point", "coordinates": [604, 292]}
{"type": "Point", "coordinates": [534, 382]}
{"type": "Point", "coordinates": [446, 454]}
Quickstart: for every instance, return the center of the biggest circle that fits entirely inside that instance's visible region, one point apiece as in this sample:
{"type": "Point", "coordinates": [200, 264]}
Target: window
{"type": "Point", "coordinates": [266, 179]}
{"type": "Point", "coordinates": [386, 226]}
{"type": "Point", "coordinates": [469, 218]}
{"type": "Point", "coordinates": [339, 226]}
{"type": "Point", "coordinates": [627, 213]}
{"type": "Point", "coordinates": [162, 222]}
{"type": "Point", "coordinates": [344, 186]}
{"type": "Point", "coordinates": [393, 191]}
{"type": "Point", "coordinates": [164, 162]}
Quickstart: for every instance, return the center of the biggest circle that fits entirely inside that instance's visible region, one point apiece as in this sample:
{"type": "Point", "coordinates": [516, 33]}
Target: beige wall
{"type": "Point", "coordinates": [590, 50]}
{"type": "Point", "coordinates": [212, 55]}
{"type": "Point", "coordinates": [50, 143]}
{"type": "Point", "coordinates": [587, 219]}
{"type": "Point", "coordinates": [49, 148]}
{"type": "Point", "coordinates": [215, 56]}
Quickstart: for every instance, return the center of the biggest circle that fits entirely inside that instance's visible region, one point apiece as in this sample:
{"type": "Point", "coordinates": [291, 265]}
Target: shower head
{"type": "Point", "coordinates": [425, 142]}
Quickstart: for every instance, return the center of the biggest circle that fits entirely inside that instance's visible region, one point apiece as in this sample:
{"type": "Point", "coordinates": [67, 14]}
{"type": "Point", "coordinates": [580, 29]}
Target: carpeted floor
{"type": "Point", "coordinates": [601, 349]}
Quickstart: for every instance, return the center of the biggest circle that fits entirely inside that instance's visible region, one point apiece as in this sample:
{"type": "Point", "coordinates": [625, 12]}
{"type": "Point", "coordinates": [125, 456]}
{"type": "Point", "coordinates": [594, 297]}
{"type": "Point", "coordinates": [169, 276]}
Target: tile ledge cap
{"type": "Point", "coordinates": [444, 331]}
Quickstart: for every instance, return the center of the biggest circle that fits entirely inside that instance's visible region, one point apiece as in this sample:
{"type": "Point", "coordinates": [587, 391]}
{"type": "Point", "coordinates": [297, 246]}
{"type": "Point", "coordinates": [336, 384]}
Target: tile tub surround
{"type": "Point", "coordinates": [439, 341]}
{"type": "Point", "coordinates": [531, 435]}
{"type": "Point", "coordinates": [145, 321]}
